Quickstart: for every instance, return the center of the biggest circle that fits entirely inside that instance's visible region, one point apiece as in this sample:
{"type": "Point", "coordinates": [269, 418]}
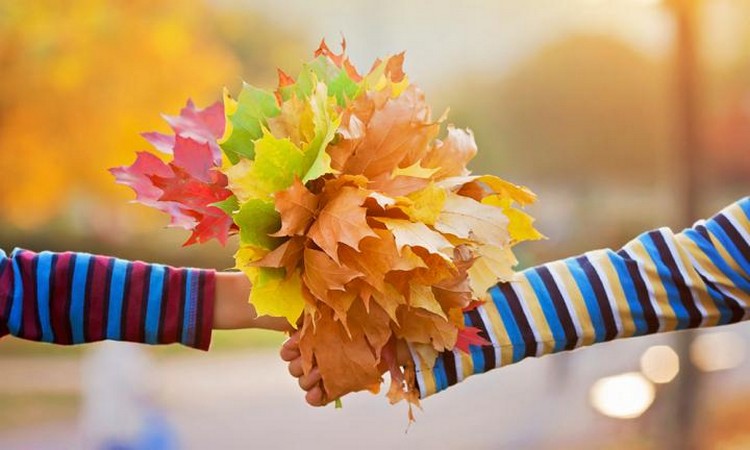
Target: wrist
{"type": "Point", "coordinates": [232, 308]}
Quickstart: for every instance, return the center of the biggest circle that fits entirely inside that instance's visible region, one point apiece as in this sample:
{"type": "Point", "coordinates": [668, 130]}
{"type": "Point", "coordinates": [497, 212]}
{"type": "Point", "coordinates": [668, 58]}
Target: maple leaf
{"type": "Point", "coordinates": [387, 76]}
{"type": "Point", "coordinates": [188, 187]}
{"type": "Point", "coordinates": [275, 294]}
{"type": "Point", "coordinates": [420, 326]}
{"type": "Point", "coordinates": [325, 122]}
{"type": "Point", "coordinates": [426, 204]}
{"type": "Point", "coordinates": [399, 130]}
{"type": "Point", "coordinates": [257, 220]}
{"type": "Point", "coordinates": [138, 177]}
{"type": "Point", "coordinates": [341, 221]}
{"type": "Point", "coordinates": [294, 122]}
{"type": "Point", "coordinates": [390, 299]}
{"type": "Point", "coordinates": [397, 186]}
{"type": "Point", "coordinates": [417, 234]}
{"type": "Point", "coordinates": [195, 199]}
{"type": "Point", "coordinates": [245, 119]}
{"type": "Point", "coordinates": [375, 323]}
{"type": "Point", "coordinates": [469, 336]}
{"type": "Point", "coordinates": [277, 163]}
{"type": "Point", "coordinates": [297, 207]}
{"type": "Point", "coordinates": [520, 225]}
{"type": "Point", "coordinates": [201, 125]}
{"type": "Point", "coordinates": [492, 264]}
{"type": "Point", "coordinates": [322, 274]}
{"type": "Point", "coordinates": [287, 255]}
{"type": "Point", "coordinates": [449, 157]}
{"type": "Point", "coordinates": [375, 258]}
{"type": "Point", "coordinates": [421, 296]}
{"type": "Point", "coordinates": [464, 217]}
{"type": "Point", "coordinates": [504, 188]}
{"type": "Point", "coordinates": [345, 359]}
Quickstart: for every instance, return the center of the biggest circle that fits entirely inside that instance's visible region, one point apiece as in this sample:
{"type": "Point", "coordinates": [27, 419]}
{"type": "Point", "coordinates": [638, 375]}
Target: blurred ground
{"type": "Point", "coordinates": [245, 399]}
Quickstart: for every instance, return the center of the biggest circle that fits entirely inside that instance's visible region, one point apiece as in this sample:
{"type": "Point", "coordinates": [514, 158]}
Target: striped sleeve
{"type": "Point", "coordinates": [658, 282]}
{"type": "Point", "coordinates": [73, 298]}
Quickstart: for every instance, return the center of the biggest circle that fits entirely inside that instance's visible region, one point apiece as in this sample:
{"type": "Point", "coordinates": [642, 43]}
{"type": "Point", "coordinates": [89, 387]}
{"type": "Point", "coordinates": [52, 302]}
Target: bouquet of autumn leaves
{"type": "Point", "coordinates": [355, 221]}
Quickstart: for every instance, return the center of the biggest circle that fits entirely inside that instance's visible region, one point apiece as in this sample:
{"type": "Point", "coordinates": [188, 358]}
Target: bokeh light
{"type": "Point", "coordinates": [660, 364]}
{"type": "Point", "coordinates": [624, 396]}
{"type": "Point", "coordinates": [711, 352]}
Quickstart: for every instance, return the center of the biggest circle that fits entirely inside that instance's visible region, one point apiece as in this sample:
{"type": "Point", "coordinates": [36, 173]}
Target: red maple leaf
{"type": "Point", "coordinates": [186, 187]}
{"type": "Point", "coordinates": [470, 336]}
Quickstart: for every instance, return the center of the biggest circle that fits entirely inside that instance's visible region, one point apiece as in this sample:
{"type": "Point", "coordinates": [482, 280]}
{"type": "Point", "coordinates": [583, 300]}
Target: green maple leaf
{"type": "Point", "coordinates": [257, 219]}
{"type": "Point", "coordinates": [245, 121]}
{"type": "Point", "coordinates": [321, 69]}
{"type": "Point", "coordinates": [326, 122]}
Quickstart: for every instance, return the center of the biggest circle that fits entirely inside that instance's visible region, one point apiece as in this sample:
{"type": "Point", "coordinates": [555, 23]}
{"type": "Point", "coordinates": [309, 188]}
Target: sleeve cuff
{"type": "Point", "coordinates": [200, 287]}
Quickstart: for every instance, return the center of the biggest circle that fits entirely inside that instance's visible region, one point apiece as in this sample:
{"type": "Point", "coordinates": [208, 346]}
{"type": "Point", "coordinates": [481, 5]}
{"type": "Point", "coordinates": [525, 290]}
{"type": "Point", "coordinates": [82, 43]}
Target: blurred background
{"type": "Point", "coordinates": [623, 115]}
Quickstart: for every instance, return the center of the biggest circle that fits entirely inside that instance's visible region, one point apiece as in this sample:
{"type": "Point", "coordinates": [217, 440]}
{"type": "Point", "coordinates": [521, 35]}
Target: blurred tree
{"type": "Point", "coordinates": [82, 78]}
{"type": "Point", "coordinates": [727, 138]}
{"type": "Point", "coordinates": [585, 109]}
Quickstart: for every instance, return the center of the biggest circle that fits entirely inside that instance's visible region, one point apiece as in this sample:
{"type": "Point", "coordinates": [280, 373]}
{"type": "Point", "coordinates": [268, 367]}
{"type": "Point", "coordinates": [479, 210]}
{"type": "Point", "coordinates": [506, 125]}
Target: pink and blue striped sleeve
{"type": "Point", "coordinates": [74, 298]}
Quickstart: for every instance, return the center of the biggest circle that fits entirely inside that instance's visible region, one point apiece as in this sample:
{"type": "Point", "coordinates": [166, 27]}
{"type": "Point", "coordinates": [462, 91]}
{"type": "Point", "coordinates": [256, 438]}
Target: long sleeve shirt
{"type": "Point", "coordinates": [72, 298]}
{"type": "Point", "coordinates": [658, 282]}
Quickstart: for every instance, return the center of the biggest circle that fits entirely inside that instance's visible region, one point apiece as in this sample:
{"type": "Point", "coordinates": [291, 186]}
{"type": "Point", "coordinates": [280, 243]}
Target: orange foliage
{"type": "Point", "coordinates": [80, 79]}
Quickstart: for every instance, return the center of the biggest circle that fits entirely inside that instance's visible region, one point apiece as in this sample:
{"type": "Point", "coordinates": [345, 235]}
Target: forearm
{"type": "Point", "coordinates": [232, 309]}
{"type": "Point", "coordinates": [72, 298]}
{"type": "Point", "coordinates": [658, 282]}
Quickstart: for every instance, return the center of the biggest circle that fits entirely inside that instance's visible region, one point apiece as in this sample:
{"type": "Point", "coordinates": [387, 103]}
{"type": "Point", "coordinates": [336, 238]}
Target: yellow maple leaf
{"type": "Point", "coordinates": [493, 264]}
{"type": "Point", "coordinates": [275, 294]}
{"type": "Point", "coordinates": [426, 204]}
{"type": "Point", "coordinates": [417, 234]}
{"type": "Point", "coordinates": [520, 225]}
{"type": "Point", "coordinates": [465, 217]}
{"type": "Point", "coordinates": [421, 296]}
{"type": "Point", "coordinates": [415, 170]}
{"type": "Point", "coordinates": [245, 256]}
{"type": "Point", "coordinates": [242, 180]}
{"type": "Point", "coordinates": [520, 194]}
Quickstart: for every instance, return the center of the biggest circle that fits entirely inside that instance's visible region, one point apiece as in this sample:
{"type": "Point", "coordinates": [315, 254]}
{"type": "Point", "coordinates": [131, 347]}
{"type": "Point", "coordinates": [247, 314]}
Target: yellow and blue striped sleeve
{"type": "Point", "coordinates": [658, 282]}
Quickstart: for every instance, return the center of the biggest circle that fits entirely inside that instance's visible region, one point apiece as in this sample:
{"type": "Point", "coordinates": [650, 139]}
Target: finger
{"type": "Point", "coordinates": [292, 342]}
{"type": "Point", "coordinates": [295, 368]}
{"type": "Point", "coordinates": [289, 354]}
{"type": "Point", "coordinates": [314, 396]}
{"type": "Point", "coordinates": [307, 382]}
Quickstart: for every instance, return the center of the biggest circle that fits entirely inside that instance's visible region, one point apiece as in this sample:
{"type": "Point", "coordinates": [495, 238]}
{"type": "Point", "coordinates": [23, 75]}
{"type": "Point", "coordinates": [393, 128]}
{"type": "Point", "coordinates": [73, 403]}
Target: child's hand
{"type": "Point", "coordinates": [310, 383]}
{"type": "Point", "coordinates": [232, 309]}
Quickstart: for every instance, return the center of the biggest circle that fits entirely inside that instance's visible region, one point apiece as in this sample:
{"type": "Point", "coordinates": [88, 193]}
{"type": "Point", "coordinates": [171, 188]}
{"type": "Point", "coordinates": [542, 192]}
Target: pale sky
{"type": "Point", "coordinates": [445, 37]}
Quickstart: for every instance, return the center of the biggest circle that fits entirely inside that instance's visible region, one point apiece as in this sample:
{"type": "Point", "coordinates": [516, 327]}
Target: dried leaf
{"type": "Point", "coordinates": [341, 221]}
{"type": "Point", "coordinates": [421, 296]}
{"type": "Point", "coordinates": [346, 363]}
{"type": "Point", "coordinates": [322, 274]}
{"type": "Point", "coordinates": [466, 218]}
{"type": "Point", "coordinates": [375, 258]}
{"type": "Point", "coordinates": [287, 255]}
{"type": "Point", "coordinates": [297, 207]}
{"type": "Point", "coordinates": [417, 234]}
{"type": "Point", "coordinates": [493, 264]}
